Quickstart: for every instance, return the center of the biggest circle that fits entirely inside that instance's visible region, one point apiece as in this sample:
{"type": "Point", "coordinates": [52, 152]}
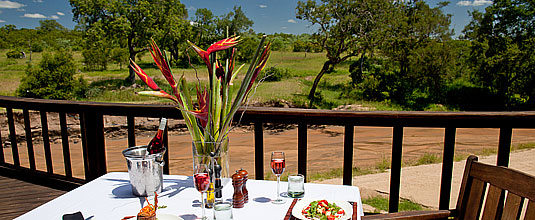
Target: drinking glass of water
{"type": "Point", "coordinates": [223, 211]}
{"type": "Point", "coordinates": [296, 185]}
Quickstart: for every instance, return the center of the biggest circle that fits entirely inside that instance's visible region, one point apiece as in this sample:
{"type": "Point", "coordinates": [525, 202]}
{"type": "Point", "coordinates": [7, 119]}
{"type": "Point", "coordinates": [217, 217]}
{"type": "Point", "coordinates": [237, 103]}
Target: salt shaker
{"type": "Point", "coordinates": [237, 198]}
{"type": "Point", "coordinates": [244, 175]}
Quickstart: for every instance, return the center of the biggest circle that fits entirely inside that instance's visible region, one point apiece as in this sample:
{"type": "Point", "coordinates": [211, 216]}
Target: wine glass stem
{"type": "Point", "coordinates": [202, 206]}
{"type": "Point", "coordinates": [278, 188]}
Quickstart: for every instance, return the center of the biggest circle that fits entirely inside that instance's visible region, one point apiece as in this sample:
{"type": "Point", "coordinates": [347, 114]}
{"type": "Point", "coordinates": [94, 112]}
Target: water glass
{"type": "Point", "coordinates": [223, 211]}
{"type": "Point", "coordinates": [296, 185]}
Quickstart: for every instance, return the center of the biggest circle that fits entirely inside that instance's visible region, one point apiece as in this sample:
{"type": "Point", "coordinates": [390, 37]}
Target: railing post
{"type": "Point", "coordinates": [504, 146]}
{"type": "Point", "coordinates": [395, 175]}
{"type": "Point", "coordinates": [13, 137]}
{"type": "Point", "coordinates": [302, 149]}
{"type": "Point", "coordinates": [94, 147]}
{"type": "Point", "coordinates": [65, 144]}
{"type": "Point", "coordinates": [131, 121]}
{"type": "Point", "coordinates": [259, 150]}
{"type": "Point", "coordinates": [46, 142]}
{"type": "Point", "coordinates": [166, 145]}
{"type": "Point", "coordinates": [29, 142]}
{"type": "Point", "coordinates": [2, 159]}
{"type": "Point", "coordinates": [348, 154]}
{"type": "Point", "coordinates": [447, 168]}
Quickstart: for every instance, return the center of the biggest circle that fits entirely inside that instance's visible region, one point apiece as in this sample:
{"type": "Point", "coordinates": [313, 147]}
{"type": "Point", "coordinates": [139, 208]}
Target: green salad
{"type": "Point", "coordinates": [323, 210]}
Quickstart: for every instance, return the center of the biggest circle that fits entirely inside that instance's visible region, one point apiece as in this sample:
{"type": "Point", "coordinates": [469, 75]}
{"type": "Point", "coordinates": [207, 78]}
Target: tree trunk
{"type": "Point", "coordinates": [131, 74]}
{"type": "Point", "coordinates": [317, 80]}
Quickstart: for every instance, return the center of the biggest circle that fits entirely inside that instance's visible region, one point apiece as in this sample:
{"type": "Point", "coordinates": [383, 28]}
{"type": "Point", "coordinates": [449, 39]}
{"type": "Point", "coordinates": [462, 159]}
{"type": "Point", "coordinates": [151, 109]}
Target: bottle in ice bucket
{"type": "Point", "coordinates": [156, 144]}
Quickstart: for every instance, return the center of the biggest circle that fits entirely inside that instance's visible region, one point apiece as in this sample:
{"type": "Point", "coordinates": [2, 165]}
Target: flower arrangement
{"type": "Point", "coordinates": [209, 117]}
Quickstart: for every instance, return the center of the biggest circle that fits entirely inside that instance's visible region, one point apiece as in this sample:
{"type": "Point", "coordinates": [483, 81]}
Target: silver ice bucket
{"type": "Point", "coordinates": [145, 171]}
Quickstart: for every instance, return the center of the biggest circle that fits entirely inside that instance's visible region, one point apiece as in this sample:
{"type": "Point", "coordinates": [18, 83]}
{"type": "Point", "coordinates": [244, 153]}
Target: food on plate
{"type": "Point", "coordinates": [323, 210]}
{"type": "Point", "coordinates": [148, 212]}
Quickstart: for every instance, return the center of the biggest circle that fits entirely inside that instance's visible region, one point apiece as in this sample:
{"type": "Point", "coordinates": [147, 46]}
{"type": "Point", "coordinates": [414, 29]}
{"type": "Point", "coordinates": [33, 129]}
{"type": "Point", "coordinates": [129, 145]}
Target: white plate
{"type": "Point", "coordinates": [302, 204]}
{"type": "Point", "coordinates": [167, 217]}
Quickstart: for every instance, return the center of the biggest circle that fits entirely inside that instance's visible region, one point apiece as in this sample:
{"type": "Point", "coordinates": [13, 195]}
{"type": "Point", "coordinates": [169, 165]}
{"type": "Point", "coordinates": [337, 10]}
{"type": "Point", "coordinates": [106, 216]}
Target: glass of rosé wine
{"type": "Point", "coordinates": [201, 179]}
{"type": "Point", "coordinates": [278, 164]}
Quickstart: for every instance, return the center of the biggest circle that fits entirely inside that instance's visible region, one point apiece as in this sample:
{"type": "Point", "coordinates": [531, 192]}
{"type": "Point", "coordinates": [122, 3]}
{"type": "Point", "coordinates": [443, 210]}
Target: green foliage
{"type": "Point", "coordinates": [464, 95]}
{"type": "Point", "coordinates": [502, 51]}
{"type": "Point", "coordinates": [13, 54]}
{"type": "Point", "coordinates": [381, 203]}
{"type": "Point", "coordinates": [53, 78]}
{"type": "Point", "coordinates": [130, 23]}
{"type": "Point", "coordinates": [427, 158]}
{"type": "Point", "coordinates": [274, 74]}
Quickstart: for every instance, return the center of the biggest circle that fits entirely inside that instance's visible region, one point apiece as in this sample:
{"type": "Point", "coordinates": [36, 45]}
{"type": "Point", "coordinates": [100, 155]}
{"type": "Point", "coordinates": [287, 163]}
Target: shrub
{"type": "Point", "coordinates": [274, 74]}
{"type": "Point", "coordinates": [14, 54]}
{"type": "Point", "coordinates": [53, 78]}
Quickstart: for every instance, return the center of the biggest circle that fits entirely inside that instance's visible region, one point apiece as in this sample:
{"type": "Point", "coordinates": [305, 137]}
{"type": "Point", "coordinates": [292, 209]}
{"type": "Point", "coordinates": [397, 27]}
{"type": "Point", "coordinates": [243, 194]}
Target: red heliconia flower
{"type": "Point", "coordinates": [231, 65]}
{"type": "Point", "coordinates": [161, 62]}
{"type": "Point", "coordinates": [217, 46]}
{"type": "Point", "coordinates": [223, 44]}
{"type": "Point", "coordinates": [202, 112]}
{"type": "Point", "coordinates": [144, 77]}
{"type": "Point", "coordinates": [263, 60]}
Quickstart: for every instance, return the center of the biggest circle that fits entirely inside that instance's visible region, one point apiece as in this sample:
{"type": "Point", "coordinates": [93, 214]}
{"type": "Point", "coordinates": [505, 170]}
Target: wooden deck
{"type": "Point", "coordinates": [19, 197]}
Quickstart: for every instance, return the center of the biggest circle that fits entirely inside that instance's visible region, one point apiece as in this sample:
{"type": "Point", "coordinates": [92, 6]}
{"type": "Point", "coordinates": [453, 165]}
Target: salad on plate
{"type": "Point", "coordinates": [323, 210]}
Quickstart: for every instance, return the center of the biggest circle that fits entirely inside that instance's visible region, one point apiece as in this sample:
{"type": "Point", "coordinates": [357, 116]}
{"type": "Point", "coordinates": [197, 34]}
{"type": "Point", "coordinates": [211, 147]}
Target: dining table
{"type": "Point", "coordinates": [110, 197]}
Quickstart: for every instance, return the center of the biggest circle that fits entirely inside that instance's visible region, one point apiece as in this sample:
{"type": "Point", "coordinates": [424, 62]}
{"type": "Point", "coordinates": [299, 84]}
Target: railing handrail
{"type": "Point", "coordinates": [517, 119]}
{"type": "Point", "coordinates": [93, 146]}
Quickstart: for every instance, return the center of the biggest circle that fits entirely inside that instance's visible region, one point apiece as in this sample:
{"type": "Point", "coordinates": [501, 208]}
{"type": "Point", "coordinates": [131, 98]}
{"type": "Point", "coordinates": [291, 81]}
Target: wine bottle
{"type": "Point", "coordinates": [156, 144]}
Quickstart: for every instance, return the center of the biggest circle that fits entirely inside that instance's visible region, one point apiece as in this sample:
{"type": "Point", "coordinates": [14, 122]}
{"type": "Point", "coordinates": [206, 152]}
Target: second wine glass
{"type": "Point", "coordinates": [278, 164]}
{"type": "Point", "coordinates": [201, 179]}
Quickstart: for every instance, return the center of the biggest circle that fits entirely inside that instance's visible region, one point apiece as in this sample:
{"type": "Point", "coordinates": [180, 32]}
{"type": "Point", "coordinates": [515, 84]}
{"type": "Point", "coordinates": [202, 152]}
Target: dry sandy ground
{"type": "Point", "coordinates": [421, 184]}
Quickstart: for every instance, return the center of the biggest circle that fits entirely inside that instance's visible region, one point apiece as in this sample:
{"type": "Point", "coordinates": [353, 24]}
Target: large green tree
{"type": "Point", "coordinates": [503, 49]}
{"type": "Point", "coordinates": [136, 21]}
{"type": "Point", "coordinates": [346, 28]}
{"type": "Point", "coordinates": [417, 44]}
{"type": "Point", "coordinates": [233, 23]}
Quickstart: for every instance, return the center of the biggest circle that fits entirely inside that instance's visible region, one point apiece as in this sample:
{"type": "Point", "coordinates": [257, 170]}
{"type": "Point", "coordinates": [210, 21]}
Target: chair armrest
{"type": "Point", "coordinates": [413, 215]}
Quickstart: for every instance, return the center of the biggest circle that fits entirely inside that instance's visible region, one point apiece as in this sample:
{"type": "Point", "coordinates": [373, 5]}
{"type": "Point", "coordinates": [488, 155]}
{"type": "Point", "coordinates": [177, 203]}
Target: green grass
{"type": "Point", "coordinates": [381, 203]}
{"type": "Point", "coordinates": [302, 69]}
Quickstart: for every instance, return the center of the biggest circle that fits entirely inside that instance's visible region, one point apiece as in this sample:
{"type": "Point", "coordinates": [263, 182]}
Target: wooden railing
{"type": "Point", "coordinates": [93, 145]}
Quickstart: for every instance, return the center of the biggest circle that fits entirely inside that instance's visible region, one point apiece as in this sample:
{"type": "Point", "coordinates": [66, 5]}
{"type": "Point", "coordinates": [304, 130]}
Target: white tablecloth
{"type": "Point", "coordinates": [110, 198]}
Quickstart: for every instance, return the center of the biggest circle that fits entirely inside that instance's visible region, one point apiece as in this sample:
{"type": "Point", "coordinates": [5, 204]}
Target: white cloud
{"type": "Point", "coordinates": [2, 21]}
{"type": "Point", "coordinates": [60, 13]}
{"type": "Point", "coordinates": [36, 15]}
{"type": "Point", "coordinates": [38, 1]}
{"type": "Point", "coordinates": [55, 17]}
{"type": "Point", "coordinates": [262, 6]}
{"type": "Point", "coordinates": [292, 21]}
{"type": "Point", "coordinates": [474, 3]}
{"type": "Point", "coordinates": [191, 8]}
{"type": "Point", "coordinates": [284, 27]}
{"type": "Point", "coordinates": [10, 4]}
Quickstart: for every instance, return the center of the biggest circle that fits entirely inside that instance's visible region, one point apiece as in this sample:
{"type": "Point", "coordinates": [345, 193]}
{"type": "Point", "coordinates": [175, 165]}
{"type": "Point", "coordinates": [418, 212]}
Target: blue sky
{"type": "Point", "coordinates": [269, 16]}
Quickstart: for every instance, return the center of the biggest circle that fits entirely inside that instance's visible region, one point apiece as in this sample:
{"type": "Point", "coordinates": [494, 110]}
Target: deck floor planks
{"type": "Point", "coordinates": [20, 197]}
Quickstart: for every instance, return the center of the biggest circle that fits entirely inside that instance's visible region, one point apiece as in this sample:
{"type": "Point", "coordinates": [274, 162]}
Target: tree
{"type": "Point", "coordinates": [53, 78]}
{"type": "Point", "coordinates": [233, 23]}
{"type": "Point", "coordinates": [46, 26]}
{"type": "Point", "coordinates": [346, 28]}
{"type": "Point", "coordinates": [417, 43]}
{"type": "Point", "coordinates": [503, 49]}
{"type": "Point", "coordinates": [136, 21]}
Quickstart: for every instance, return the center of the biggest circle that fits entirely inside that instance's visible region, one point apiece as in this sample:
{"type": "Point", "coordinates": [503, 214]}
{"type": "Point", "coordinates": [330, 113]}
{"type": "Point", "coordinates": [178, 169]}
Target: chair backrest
{"type": "Point", "coordinates": [495, 192]}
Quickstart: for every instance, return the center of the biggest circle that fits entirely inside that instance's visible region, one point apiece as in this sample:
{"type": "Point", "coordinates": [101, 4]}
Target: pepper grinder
{"type": "Point", "coordinates": [237, 198]}
{"type": "Point", "coordinates": [244, 175]}
{"type": "Point", "coordinates": [218, 187]}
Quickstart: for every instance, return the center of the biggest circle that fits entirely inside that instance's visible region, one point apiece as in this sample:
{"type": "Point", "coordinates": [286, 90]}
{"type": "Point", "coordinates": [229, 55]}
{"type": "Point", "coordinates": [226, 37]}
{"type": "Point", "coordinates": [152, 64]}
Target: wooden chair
{"type": "Point", "coordinates": [487, 192]}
